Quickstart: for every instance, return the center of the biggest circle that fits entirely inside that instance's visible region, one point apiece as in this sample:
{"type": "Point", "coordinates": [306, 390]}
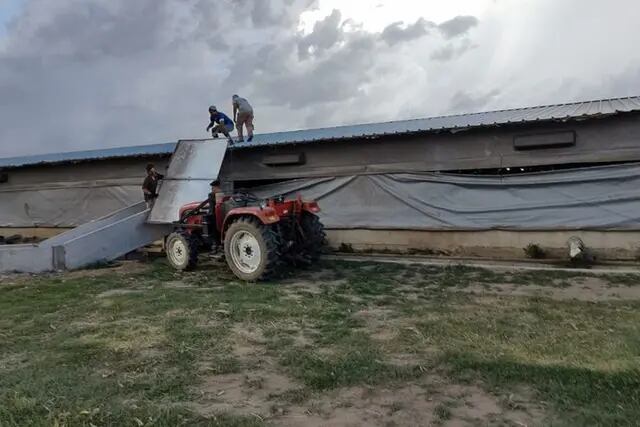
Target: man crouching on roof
{"type": "Point", "coordinates": [220, 123]}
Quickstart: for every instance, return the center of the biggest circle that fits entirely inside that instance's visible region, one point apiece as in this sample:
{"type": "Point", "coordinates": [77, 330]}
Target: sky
{"type": "Point", "coordinates": [86, 74]}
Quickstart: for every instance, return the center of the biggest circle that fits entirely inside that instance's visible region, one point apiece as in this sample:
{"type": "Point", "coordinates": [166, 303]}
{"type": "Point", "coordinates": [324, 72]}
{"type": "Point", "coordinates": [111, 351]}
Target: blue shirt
{"type": "Point", "coordinates": [215, 118]}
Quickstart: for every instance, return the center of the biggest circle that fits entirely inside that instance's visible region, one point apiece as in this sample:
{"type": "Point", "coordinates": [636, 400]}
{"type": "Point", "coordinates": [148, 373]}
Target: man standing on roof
{"type": "Point", "coordinates": [243, 116]}
{"type": "Point", "coordinates": [150, 185]}
{"type": "Point", "coordinates": [220, 123]}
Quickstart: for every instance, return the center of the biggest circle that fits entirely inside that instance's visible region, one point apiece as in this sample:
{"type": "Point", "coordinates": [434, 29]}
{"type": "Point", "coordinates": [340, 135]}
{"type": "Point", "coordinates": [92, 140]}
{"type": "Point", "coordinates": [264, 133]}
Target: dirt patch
{"type": "Point", "coordinates": [384, 326]}
{"type": "Point", "coordinates": [431, 403]}
{"type": "Point", "coordinates": [118, 292]}
{"type": "Point", "coordinates": [407, 359]}
{"type": "Point", "coordinates": [386, 333]}
{"type": "Point", "coordinates": [310, 286]}
{"type": "Point", "coordinates": [243, 394]}
{"type": "Point", "coordinates": [374, 317]}
{"type": "Point", "coordinates": [267, 395]}
{"type": "Point", "coordinates": [10, 279]}
{"type": "Point", "coordinates": [356, 406]}
{"type": "Point", "coordinates": [13, 360]}
{"type": "Point", "coordinates": [593, 289]}
{"type": "Point", "coordinates": [126, 337]}
{"type": "Point", "coordinates": [123, 267]}
{"type": "Point", "coordinates": [248, 341]}
{"type": "Point", "coordinates": [177, 285]}
{"type": "Point", "coordinates": [471, 405]}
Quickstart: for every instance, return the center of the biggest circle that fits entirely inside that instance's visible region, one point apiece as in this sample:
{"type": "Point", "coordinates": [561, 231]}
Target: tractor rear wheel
{"type": "Point", "coordinates": [315, 237]}
{"type": "Point", "coordinates": [182, 251]}
{"type": "Point", "coordinates": [252, 249]}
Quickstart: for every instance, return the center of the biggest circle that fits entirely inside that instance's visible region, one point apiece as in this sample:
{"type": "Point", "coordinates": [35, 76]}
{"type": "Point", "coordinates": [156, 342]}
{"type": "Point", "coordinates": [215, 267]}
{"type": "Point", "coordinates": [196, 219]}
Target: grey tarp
{"type": "Point", "coordinates": [65, 204]}
{"type": "Point", "coordinates": [590, 198]}
{"type": "Point", "coordinates": [603, 198]}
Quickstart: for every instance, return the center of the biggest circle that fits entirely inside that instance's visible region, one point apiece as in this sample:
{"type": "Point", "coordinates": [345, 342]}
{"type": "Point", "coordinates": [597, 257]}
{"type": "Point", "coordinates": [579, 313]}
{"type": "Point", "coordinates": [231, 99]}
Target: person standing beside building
{"type": "Point", "coordinates": [219, 123]}
{"type": "Point", "coordinates": [150, 185]}
{"type": "Point", "coordinates": [243, 116]}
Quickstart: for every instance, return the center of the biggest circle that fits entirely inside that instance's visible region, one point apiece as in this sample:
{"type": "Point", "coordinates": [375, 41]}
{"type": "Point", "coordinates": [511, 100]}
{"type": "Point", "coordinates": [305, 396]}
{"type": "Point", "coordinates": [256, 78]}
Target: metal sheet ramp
{"type": "Point", "coordinates": [102, 240]}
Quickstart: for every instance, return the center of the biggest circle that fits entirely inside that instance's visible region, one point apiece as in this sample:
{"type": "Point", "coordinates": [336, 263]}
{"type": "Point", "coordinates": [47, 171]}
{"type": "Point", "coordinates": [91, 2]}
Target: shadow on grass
{"type": "Point", "coordinates": [579, 396]}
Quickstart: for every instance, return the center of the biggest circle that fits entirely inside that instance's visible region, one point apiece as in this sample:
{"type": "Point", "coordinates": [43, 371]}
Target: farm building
{"type": "Point", "coordinates": [483, 184]}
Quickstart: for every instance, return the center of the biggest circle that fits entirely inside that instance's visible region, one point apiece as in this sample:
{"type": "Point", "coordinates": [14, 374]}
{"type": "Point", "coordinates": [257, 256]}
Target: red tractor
{"type": "Point", "coordinates": [260, 237]}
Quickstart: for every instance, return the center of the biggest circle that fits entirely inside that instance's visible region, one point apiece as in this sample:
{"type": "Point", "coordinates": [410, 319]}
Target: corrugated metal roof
{"type": "Point", "coordinates": [562, 112]}
{"type": "Point", "coordinates": [77, 156]}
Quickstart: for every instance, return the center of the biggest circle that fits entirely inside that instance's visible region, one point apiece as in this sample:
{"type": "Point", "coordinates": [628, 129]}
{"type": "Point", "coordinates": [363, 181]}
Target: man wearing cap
{"type": "Point", "coordinates": [243, 116]}
{"type": "Point", "coordinates": [219, 123]}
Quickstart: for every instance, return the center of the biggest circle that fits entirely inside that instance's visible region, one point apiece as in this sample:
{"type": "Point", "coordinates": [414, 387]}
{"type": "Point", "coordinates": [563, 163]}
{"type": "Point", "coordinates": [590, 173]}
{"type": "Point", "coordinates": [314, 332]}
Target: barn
{"type": "Point", "coordinates": [475, 185]}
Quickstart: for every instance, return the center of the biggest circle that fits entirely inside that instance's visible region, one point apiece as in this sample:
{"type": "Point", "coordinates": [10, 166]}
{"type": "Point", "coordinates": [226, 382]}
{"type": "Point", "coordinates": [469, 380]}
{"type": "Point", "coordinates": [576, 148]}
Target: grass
{"type": "Point", "coordinates": [442, 413]}
{"type": "Point", "coordinates": [117, 348]}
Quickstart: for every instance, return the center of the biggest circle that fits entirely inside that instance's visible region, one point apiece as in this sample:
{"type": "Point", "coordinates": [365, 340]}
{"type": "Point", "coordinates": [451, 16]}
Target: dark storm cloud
{"type": "Point", "coordinates": [332, 78]}
{"type": "Point", "coordinates": [90, 30]}
{"type": "Point", "coordinates": [457, 26]}
{"type": "Point", "coordinates": [80, 74]}
{"type": "Point", "coordinates": [270, 13]}
{"type": "Point", "coordinates": [326, 33]}
{"type": "Point", "coordinates": [398, 32]}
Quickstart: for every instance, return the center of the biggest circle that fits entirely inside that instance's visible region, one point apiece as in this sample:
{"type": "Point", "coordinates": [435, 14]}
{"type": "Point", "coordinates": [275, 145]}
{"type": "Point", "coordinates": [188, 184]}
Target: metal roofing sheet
{"type": "Point", "coordinates": [577, 110]}
{"type": "Point", "coordinates": [570, 111]}
{"type": "Point", "coordinates": [132, 151]}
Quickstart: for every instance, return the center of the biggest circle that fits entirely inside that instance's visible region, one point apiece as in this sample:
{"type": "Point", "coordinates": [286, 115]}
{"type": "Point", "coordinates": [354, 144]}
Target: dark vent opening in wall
{"type": "Point", "coordinates": [4, 177]}
{"type": "Point", "coordinates": [519, 170]}
{"type": "Point", "coordinates": [286, 159]}
{"type": "Point", "coordinates": [546, 140]}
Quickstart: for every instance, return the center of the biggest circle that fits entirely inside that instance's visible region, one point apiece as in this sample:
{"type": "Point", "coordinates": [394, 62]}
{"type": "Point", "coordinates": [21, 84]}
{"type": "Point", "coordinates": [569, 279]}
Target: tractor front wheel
{"type": "Point", "coordinates": [252, 249]}
{"type": "Point", "coordinates": [182, 251]}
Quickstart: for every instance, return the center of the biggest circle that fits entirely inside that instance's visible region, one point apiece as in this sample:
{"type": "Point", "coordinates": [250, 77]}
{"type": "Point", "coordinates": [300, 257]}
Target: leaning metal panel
{"type": "Point", "coordinates": [173, 195]}
{"type": "Point", "coordinates": [193, 166]}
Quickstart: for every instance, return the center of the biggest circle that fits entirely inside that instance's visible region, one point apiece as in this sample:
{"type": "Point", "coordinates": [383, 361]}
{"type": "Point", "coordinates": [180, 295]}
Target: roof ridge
{"type": "Point", "coordinates": [445, 116]}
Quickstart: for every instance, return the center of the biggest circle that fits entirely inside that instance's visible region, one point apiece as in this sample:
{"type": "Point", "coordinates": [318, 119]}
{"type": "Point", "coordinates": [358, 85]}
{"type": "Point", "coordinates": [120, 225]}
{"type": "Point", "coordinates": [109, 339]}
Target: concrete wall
{"type": "Point", "coordinates": [494, 244]}
{"type": "Point", "coordinates": [609, 245]}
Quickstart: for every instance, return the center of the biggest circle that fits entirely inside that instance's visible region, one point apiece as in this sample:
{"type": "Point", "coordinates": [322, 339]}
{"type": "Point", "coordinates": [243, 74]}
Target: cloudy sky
{"type": "Point", "coordinates": [82, 74]}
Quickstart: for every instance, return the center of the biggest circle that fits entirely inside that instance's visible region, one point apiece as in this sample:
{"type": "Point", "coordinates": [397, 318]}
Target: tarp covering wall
{"type": "Point", "coordinates": [600, 198]}
{"type": "Point", "coordinates": [65, 205]}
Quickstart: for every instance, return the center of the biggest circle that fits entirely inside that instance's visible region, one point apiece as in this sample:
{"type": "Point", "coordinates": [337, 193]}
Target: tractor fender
{"type": "Point", "coordinates": [311, 207]}
{"type": "Point", "coordinates": [264, 215]}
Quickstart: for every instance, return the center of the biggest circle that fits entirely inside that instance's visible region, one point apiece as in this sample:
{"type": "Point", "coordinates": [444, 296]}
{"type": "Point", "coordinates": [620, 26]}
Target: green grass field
{"type": "Point", "coordinates": [379, 344]}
